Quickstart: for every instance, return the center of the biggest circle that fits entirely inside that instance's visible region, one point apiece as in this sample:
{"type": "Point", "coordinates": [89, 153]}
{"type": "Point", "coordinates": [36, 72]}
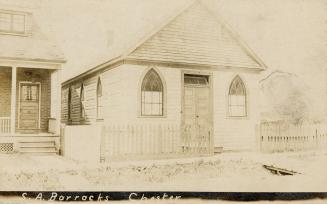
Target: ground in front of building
{"type": "Point", "coordinates": [223, 172]}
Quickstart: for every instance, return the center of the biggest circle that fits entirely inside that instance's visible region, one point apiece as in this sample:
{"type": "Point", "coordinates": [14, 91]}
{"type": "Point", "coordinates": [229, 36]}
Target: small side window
{"type": "Point", "coordinates": [69, 103]}
{"type": "Point", "coordinates": [82, 109]}
{"type": "Point", "coordinates": [99, 100]}
{"type": "Point", "coordinates": [237, 98]}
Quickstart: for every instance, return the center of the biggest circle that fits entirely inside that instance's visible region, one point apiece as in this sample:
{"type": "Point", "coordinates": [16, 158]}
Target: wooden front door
{"type": "Point", "coordinates": [29, 110]}
{"type": "Point", "coordinates": [197, 114]}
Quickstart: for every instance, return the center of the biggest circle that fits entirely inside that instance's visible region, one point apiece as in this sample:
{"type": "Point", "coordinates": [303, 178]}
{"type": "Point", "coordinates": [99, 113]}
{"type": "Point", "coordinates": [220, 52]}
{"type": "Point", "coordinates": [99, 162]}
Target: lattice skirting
{"type": "Point", "coordinates": [6, 147]}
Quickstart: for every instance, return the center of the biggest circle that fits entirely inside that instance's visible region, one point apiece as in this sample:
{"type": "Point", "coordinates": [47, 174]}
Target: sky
{"type": "Point", "coordinates": [289, 35]}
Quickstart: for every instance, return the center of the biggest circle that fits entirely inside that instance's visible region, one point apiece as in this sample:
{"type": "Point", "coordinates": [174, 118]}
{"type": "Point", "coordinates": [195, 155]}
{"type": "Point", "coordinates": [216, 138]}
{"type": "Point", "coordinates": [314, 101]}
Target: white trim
{"type": "Point", "coordinates": [29, 63]}
{"type": "Point", "coordinates": [29, 82]}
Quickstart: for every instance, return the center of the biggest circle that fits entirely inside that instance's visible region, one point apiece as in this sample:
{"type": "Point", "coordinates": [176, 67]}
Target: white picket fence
{"type": "Point", "coordinates": [139, 140]}
{"type": "Point", "coordinates": [280, 137]}
{"type": "Point", "coordinates": [108, 142]}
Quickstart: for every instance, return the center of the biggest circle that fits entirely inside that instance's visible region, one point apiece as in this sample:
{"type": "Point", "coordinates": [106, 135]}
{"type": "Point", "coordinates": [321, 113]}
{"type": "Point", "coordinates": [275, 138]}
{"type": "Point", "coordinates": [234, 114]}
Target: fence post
{"type": "Point", "coordinates": [258, 137]}
{"type": "Point", "coordinates": [316, 137]}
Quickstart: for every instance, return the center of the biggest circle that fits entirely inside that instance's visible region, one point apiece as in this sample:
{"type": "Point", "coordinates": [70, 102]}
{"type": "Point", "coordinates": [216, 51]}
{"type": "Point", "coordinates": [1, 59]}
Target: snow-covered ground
{"type": "Point", "coordinates": [238, 172]}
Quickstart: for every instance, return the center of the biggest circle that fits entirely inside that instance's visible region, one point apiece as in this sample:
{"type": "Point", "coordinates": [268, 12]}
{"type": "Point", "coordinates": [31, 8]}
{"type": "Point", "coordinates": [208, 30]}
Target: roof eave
{"type": "Point", "coordinates": [94, 69]}
{"type": "Point", "coordinates": [31, 63]}
{"type": "Point", "coordinates": [194, 65]}
{"type": "Point", "coordinates": [61, 61]}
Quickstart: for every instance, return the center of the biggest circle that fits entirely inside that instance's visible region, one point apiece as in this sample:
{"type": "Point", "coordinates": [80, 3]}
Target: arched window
{"type": "Point", "coordinates": [99, 99]}
{"type": "Point", "coordinates": [237, 98]}
{"type": "Point", "coordinates": [82, 109]}
{"type": "Point", "coordinates": [69, 103]}
{"type": "Point", "coordinates": [152, 94]}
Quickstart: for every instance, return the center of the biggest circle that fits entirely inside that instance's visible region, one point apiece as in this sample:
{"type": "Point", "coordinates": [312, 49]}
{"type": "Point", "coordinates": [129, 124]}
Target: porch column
{"type": "Point", "coordinates": [56, 99]}
{"type": "Point", "coordinates": [13, 99]}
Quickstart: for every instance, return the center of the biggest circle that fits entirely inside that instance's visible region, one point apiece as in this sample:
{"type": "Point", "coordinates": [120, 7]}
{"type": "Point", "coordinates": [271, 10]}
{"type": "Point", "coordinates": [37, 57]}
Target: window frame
{"type": "Point", "coordinates": [99, 84]}
{"type": "Point", "coordinates": [69, 104]}
{"type": "Point", "coordinates": [163, 97]}
{"type": "Point", "coordinates": [13, 31]}
{"type": "Point", "coordinates": [246, 112]}
{"type": "Point", "coordinates": [81, 103]}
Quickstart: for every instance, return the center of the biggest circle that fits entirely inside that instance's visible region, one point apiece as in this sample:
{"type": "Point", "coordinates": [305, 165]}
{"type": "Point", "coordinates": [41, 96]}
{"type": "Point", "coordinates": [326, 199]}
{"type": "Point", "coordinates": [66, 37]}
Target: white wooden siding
{"type": "Point", "coordinates": [229, 132]}
{"type": "Point", "coordinates": [90, 99]}
{"type": "Point", "coordinates": [113, 84]}
{"type": "Point", "coordinates": [121, 102]}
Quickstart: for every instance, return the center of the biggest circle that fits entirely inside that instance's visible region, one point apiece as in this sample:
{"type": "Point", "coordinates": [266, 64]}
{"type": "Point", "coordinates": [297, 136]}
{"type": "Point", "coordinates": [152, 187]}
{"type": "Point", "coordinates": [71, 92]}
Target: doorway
{"type": "Point", "coordinates": [197, 114]}
{"type": "Point", "coordinates": [29, 106]}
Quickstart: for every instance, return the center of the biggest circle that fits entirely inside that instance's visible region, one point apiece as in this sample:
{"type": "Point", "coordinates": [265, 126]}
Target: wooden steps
{"type": "Point", "coordinates": [43, 147]}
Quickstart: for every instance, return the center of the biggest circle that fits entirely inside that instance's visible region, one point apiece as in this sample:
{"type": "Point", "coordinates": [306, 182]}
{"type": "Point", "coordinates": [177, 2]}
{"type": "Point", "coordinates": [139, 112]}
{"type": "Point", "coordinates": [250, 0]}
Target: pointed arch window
{"type": "Point", "coordinates": [69, 103]}
{"type": "Point", "coordinates": [152, 92]}
{"type": "Point", "coordinates": [237, 98]}
{"type": "Point", "coordinates": [82, 109]}
{"type": "Point", "coordinates": [99, 99]}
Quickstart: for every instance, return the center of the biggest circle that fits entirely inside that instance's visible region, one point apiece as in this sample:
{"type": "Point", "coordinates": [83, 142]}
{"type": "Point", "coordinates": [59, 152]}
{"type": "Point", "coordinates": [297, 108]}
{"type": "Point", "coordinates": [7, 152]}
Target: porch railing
{"type": "Point", "coordinates": [4, 125]}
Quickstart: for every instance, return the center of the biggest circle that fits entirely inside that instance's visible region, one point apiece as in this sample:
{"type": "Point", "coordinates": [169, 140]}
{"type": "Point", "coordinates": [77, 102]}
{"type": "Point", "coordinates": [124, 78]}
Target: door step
{"type": "Point", "coordinates": [37, 144]}
{"type": "Point", "coordinates": [37, 147]}
{"type": "Point", "coordinates": [39, 153]}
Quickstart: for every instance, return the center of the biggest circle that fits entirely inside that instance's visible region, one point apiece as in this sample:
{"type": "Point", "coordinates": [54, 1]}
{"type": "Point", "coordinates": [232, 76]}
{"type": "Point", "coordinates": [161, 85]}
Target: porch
{"type": "Point", "coordinates": [29, 107]}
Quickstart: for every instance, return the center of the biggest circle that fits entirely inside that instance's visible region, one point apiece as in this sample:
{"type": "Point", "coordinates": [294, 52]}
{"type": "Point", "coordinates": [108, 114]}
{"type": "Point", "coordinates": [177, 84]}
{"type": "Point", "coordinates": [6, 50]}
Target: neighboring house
{"type": "Point", "coordinates": [193, 72]}
{"type": "Point", "coordinates": [29, 84]}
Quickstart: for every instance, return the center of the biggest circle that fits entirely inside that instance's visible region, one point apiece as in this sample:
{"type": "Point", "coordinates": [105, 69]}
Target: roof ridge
{"type": "Point", "coordinates": [154, 31]}
{"type": "Point", "coordinates": [232, 31]}
{"type": "Point", "coordinates": [247, 50]}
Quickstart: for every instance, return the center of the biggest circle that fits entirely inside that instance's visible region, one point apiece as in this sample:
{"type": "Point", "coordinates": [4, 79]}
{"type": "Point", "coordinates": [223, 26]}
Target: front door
{"type": "Point", "coordinates": [197, 114]}
{"type": "Point", "coordinates": [29, 110]}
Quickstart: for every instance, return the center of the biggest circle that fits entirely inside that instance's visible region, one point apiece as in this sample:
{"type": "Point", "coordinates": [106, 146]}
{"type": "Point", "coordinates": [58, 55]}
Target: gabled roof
{"type": "Point", "coordinates": [196, 36]}
{"type": "Point", "coordinates": [34, 45]}
{"type": "Point", "coordinates": [32, 48]}
{"type": "Point", "coordinates": [185, 32]}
